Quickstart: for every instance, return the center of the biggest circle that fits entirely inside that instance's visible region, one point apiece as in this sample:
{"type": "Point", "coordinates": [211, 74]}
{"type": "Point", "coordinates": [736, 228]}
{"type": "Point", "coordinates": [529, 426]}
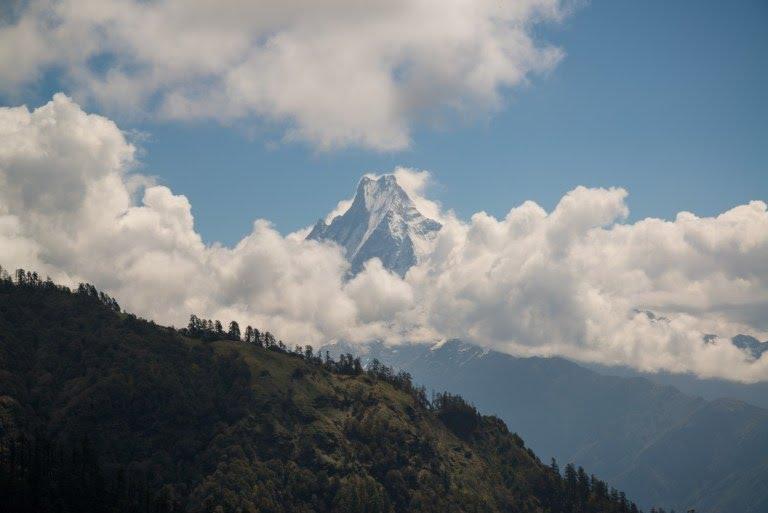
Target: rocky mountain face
{"type": "Point", "coordinates": [382, 222]}
{"type": "Point", "coordinates": [751, 345]}
{"type": "Point", "coordinates": [623, 428]}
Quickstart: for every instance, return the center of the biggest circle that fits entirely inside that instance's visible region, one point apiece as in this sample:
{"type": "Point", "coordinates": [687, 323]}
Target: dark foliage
{"type": "Point", "coordinates": [215, 420]}
{"type": "Point", "coordinates": [37, 476]}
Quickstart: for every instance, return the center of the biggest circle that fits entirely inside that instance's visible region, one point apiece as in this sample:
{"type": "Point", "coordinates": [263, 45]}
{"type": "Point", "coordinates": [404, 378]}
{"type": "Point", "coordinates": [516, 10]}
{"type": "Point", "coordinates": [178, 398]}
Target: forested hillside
{"type": "Point", "coordinates": [103, 411]}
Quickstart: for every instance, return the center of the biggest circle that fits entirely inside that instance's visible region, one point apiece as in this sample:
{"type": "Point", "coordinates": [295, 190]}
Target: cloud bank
{"type": "Point", "coordinates": [575, 281]}
{"type": "Point", "coordinates": [332, 72]}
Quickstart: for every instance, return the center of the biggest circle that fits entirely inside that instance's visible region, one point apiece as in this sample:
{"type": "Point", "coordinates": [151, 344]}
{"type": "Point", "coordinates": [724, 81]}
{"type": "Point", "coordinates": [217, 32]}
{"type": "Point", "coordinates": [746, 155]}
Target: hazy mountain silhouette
{"type": "Point", "coordinates": [665, 446]}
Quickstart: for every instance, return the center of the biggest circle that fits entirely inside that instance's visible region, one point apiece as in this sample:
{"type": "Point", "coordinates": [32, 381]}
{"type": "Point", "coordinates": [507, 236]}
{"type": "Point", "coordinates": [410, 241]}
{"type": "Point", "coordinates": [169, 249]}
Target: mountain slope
{"type": "Point", "coordinates": [690, 384]}
{"type": "Point", "coordinates": [717, 460]}
{"type": "Point", "coordinates": [382, 222]}
{"type": "Point", "coordinates": [224, 425]}
{"type": "Point", "coordinates": [620, 428]}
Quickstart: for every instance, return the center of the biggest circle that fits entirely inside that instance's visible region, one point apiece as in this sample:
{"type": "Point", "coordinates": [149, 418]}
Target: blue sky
{"type": "Point", "coordinates": [667, 99]}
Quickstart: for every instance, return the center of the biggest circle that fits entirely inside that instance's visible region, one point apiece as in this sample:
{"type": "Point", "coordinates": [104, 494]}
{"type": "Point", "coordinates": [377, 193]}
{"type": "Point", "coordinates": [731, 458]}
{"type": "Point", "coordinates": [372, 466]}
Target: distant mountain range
{"type": "Point", "coordinates": [662, 446]}
{"type": "Point", "coordinates": [690, 384]}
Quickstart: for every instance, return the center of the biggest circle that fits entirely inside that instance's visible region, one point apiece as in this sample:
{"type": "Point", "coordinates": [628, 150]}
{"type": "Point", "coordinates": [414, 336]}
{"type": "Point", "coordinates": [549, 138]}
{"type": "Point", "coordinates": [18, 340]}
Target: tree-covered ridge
{"type": "Point", "coordinates": [224, 421]}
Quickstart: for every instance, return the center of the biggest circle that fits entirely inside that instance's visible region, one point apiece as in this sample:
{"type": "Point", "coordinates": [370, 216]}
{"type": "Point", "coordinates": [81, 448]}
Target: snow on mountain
{"type": "Point", "coordinates": [447, 355]}
{"type": "Point", "coordinates": [382, 222]}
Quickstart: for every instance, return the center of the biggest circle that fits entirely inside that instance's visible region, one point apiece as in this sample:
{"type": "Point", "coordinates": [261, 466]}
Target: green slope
{"type": "Point", "coordinates": [230, 426]}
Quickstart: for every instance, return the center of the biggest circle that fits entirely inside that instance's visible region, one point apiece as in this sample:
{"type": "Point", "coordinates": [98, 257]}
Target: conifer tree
{"type": "Point", "coordinates": [234, 331]}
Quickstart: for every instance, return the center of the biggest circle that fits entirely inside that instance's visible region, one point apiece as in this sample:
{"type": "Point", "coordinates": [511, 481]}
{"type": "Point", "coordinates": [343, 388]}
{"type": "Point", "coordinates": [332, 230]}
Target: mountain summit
{"type": "Point", "coordinates": [382, 222]}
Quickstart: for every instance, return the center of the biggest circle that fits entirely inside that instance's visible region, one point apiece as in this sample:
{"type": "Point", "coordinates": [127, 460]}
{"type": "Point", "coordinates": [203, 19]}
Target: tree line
{"type": "Point", "coordinates": [23, 278]}
{"type": "Point", "coordinates": [211, 330]}
{"type": "Point", "coordinates": [34, 472]}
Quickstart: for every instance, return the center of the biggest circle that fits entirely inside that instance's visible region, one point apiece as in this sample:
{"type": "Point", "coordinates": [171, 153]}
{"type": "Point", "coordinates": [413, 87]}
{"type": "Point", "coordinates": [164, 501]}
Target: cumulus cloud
{"type": "Point", "coordinates": [574, 282]}
{"type": "Point", "coordinates": [146, 252]}
{"type": "Point", "coordinates": [332, 72]}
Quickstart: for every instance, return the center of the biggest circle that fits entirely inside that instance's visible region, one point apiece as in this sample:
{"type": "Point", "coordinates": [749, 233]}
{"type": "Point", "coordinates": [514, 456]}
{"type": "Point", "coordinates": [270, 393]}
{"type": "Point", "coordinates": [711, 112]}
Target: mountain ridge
{"type": "Point", "coordinates": [616, 426]}
{"type": "Point", "coordinates": [382, 222]}
{"type": "Point", "coordinates": [215, 423]}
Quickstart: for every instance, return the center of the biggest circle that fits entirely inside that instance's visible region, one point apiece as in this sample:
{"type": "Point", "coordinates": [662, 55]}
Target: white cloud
{"type": "Point", "coordinates": [567, 282]}
{"type": "Point", "coordinates": [333, 72]}
{"type": "Point", "coordinates": [341, 207]}
{"type": "Point", "coordinates": [379, 294]}
{"type": "Point", "coordinates": [84, 225]}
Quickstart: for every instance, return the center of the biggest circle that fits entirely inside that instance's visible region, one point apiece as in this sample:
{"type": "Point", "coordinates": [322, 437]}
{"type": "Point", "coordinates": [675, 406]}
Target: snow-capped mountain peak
{"type": "Point", "coordinates": [382, 222]}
